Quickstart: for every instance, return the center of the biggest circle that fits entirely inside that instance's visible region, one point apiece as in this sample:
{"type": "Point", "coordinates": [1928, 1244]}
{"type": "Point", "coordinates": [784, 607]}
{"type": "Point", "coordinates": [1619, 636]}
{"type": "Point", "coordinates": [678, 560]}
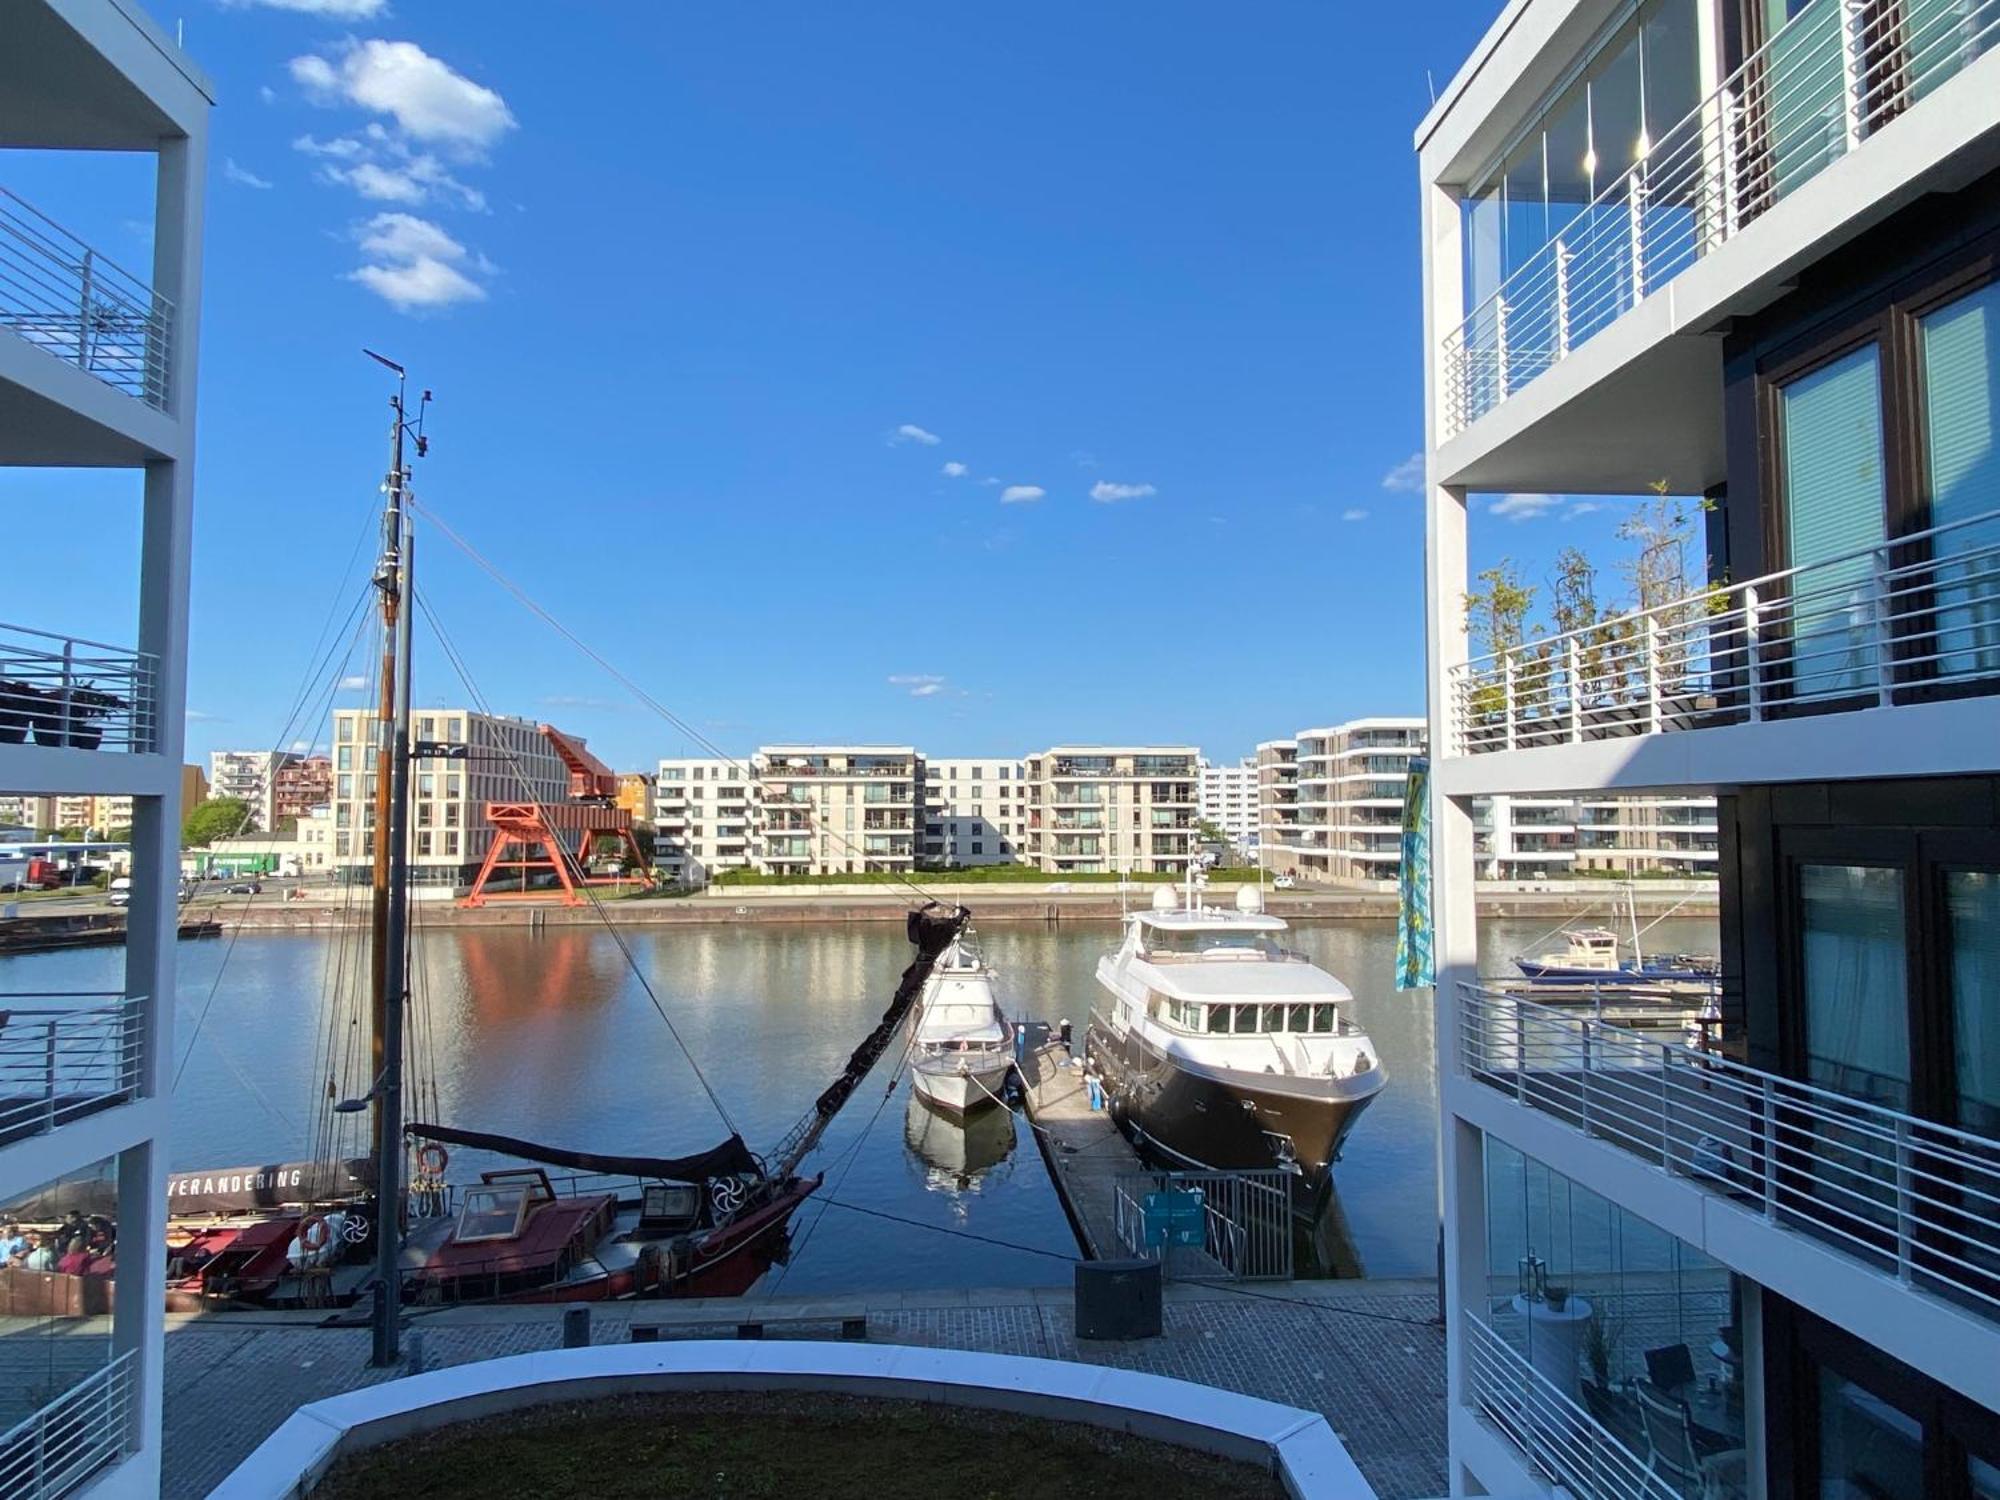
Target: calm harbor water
{"type": "Point", "coordinates": [550, 1036]}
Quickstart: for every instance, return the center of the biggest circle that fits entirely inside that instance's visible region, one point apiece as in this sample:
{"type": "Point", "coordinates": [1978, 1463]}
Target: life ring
{"type": "Point", "coordinates": [315, 1233]}
{"type": "Point", "coordinates": [433, 1158]}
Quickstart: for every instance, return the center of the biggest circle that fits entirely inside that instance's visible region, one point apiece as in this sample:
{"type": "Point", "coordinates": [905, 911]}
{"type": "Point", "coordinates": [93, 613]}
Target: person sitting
{"type": "Point", "coordinates": [76, 1255]}
{"type": "Point", "coordinates": [41, 1254]}
{"type": "Point", "coordinates": [13, 1243]}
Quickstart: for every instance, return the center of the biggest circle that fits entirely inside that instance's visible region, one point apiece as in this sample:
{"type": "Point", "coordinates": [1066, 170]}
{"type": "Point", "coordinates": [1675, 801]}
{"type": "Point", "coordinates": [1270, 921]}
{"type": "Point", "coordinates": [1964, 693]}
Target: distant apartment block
{"type": "Point", "coordinates": [299, 784]}
{"type": "Point", "coordinates": [507, 760]}
{"type": "Point", "coordinates": [1331, 799]}
{"type": "Point", "coordinates": [636, 794]}
{"type": "Point", "coordinates": [838, 809]}
{"type": "Point", "coordinates": [1107, 808]}
{"type": "Point", "coordinates": [1277, 764]}
{"type": "Point", "coordinates": [704, 818]}
{"type": "Point", "coordinates": [249, 776]}
{"type": "Point", "coordinates": [975, 811]}
{"type": "Point", "coordinates": [1228, 801]}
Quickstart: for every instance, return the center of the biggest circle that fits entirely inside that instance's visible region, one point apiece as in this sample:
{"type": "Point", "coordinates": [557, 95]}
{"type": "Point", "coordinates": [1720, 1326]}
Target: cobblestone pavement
{"type": "Point", "coordinates": [1367, 1355]}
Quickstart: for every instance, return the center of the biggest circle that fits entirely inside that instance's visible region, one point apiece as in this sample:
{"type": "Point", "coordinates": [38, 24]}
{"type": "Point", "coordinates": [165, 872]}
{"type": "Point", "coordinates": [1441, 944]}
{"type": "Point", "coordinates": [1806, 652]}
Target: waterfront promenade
{"type": "Point", "coordinates": [1367, 1354]}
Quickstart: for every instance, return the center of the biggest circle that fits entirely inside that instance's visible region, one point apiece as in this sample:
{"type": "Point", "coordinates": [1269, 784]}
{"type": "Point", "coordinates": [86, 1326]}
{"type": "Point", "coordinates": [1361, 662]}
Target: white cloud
{"type": "Point", "coordinates": [920, 684]}
{"type": "Point", "coordinates": [1523, 507]}
{"type": "Point", "coordinates": [990, 479]}
{"type": "Point", "coordinates": [1407, 478]}
{"type": "Point", "coordinates": [1020, 494]}
{"type": "Point", "coordinates": [1107, 493]}
{"type": "Point", "coordinates": [910, 432]}
{"type": "Point", "coordinates": [411, 263]}
{"type": "Point", "coordinates": [427, 98]}
{"type": "Point", "coordinates": [242, 175]}
{"type": "Point", "coordinates": [353, 684]}
{"type": "Point", "coordinates": [196, 716]}
{"type": "Point", "coordinates": [1582, 508]}
{"type": "Point", "coordinates": [955, 470]}
{"type": "Point", "coordinates": [342, 148]}
{"type": "Point", "coordinates": [418, 179]}
{"type": "Point", "coordinates": [1354, 513]}
{"type": "Point", "coordinates": [268, 94]}
{"type": "Point", "coordinates": [336, 10]}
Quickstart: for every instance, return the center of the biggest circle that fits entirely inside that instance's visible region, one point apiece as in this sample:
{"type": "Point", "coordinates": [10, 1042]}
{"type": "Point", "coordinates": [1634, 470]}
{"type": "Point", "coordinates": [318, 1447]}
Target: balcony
{"type": "Point", "coordinates": [57, 1449]}
{"type": "Point", "coordinates": [67, 299]}
{"type": "Point", "coordinates": [81, 694]}
{"type": "Point", "coordinates": [1911, 1199]}
{"type": "Point", "coordinates": [1915, 619]}
{"type": "Point", "coordinates": [59, 1062]}
{"type": "Point", "coordinates": [1826, 83]}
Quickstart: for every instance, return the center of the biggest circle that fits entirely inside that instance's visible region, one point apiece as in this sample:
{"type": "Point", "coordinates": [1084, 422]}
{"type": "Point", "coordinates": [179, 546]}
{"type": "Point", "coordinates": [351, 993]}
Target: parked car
{"type": "Point", "coordinates": [121, 891]}
{"type": "Point", "coordinates": [244, 888]}
{"type": "Point", "coordinates": [1284, 882]}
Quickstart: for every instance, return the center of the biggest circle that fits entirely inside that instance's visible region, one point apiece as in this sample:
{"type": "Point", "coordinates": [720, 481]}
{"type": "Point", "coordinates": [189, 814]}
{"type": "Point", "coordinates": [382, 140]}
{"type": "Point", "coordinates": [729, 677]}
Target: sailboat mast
{"type": "Point", "coordinates": [389, 584]}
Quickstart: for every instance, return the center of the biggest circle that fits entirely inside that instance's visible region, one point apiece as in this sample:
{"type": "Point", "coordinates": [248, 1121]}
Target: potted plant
{"type": "Point", "coordinates": [86, 706]}
{"type": "Point", "coordinates": [20, 710]}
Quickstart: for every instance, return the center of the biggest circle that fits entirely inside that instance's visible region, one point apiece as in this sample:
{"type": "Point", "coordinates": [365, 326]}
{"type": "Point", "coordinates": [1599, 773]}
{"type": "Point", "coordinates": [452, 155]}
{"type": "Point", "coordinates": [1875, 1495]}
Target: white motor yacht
{"type": "Point", "coordinates": [963, 1045]}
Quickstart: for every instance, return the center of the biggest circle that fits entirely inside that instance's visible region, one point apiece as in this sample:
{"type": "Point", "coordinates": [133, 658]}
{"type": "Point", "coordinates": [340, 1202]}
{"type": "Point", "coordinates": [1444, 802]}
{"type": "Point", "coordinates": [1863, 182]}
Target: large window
{"type": "Point", "coordinates": [1959, 362]}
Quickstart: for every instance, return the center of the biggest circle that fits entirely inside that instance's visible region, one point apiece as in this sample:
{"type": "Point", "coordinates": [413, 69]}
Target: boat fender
{"type": "Point", "coordinates": [433, 1158]}
{"type": "Point", "coordinates": [315, 1234]}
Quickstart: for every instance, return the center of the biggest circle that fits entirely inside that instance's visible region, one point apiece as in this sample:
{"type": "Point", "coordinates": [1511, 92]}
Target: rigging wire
{"type": "Point", "coordinates": [597, 906]}
{"type": "Point", "coordinates": [646, 698]}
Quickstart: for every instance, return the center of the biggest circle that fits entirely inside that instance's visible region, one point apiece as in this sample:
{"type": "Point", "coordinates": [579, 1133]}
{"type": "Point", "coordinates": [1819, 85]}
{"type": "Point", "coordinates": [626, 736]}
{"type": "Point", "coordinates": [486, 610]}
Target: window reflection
{"type": "Point", "coordinates": [1866, 1446]}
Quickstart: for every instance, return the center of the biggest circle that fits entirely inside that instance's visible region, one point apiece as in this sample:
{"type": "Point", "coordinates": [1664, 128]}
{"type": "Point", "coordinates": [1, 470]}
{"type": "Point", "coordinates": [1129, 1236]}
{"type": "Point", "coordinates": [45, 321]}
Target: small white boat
{"type": "Point", "coordinates": [962, 1046]}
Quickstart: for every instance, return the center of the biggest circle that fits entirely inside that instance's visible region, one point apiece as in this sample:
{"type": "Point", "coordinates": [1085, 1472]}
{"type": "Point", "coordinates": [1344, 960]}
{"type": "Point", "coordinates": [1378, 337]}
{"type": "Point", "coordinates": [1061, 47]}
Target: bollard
{"type": "Point", "coordinates": [576, 1328]}
{"type": "Point", "coordinates": [413, 1349]}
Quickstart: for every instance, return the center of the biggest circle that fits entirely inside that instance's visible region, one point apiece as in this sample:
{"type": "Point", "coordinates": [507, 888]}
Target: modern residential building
{"type": "Point", "coordinates": [704, 817]}
{"type": "Point", "coordinates": [1745, 255]}
{"type": "Point", "coordinates": [299, 784]}
{"type": "Point", "coordinates": [1228, 801]}
{"type": "Point", "coordinates": [838, 809]}
{"type": "Point", "coordinates": [1104, 808]}
{"type": "Point", "coordinates": [975, 811]}
{"type": "Point", "coordinates": [97, 371]}
{"type": "Point", "coordinates": [507, 760]}
{"type": "Point", "coordinates": [1336, 808]}
{"type": "Point", "coordinates": [250, 776]}
{"type": "Point", "coordinates": [1277, 798]}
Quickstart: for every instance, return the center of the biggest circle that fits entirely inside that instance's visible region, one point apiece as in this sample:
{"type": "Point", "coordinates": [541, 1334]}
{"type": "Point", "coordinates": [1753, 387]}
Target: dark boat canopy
{"type": "Point", "coordinates": [730, 1159]}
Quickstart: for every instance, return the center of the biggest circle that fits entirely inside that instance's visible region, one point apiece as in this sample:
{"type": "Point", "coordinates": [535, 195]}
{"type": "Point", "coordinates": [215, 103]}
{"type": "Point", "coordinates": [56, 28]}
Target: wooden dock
{"type": "Point", "coordinates": [1084, 1150]}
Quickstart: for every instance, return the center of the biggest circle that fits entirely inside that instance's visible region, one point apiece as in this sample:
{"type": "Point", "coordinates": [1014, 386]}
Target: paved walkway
{"type": "Point", "coordinates": [1364, 1353]}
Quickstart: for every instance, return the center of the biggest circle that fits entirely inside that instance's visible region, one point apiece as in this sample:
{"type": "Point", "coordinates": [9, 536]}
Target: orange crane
{"type": "Point", "coordinates": [528, 837]}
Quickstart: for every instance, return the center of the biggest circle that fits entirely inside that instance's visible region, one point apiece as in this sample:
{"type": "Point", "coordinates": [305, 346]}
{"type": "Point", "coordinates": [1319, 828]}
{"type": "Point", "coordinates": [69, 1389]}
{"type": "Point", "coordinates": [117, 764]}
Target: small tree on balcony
{"type": "Point", "coordinates": [1496, 615]}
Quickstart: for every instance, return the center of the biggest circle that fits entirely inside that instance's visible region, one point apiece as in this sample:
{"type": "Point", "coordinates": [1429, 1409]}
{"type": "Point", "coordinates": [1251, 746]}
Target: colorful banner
{"type": "Point", "coordinates": [1415, 968]}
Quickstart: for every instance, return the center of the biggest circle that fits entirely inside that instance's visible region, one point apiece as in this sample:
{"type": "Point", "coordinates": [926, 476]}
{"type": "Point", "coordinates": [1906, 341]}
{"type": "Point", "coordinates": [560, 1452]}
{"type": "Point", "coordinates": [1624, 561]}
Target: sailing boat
{"type": "Point", "coordinates": [616, 1226]}
{"type": "Point", "coordinates": [1592, 957]}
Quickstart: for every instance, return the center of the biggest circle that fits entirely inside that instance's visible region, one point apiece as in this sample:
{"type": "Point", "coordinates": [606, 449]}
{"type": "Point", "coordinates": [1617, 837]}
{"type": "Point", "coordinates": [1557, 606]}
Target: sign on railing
{"type": "Point", "coordinates": [1914, 1198]}
{"type": "Point", "coordinates": [1208, 1225]}
{"type": "Point", "coordinates": [1837, 73]}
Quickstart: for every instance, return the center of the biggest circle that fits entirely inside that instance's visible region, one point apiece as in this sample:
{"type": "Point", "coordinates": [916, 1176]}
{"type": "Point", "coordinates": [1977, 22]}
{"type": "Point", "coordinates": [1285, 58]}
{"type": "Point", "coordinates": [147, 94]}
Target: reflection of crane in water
{"type": "Point", "coordinates": [528, 836]}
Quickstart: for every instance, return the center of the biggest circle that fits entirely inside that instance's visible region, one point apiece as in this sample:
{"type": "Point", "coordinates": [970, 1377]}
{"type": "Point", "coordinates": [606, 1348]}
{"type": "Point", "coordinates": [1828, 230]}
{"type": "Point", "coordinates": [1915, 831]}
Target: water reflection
{"type": "Point", "coordinates": [957, 1155]}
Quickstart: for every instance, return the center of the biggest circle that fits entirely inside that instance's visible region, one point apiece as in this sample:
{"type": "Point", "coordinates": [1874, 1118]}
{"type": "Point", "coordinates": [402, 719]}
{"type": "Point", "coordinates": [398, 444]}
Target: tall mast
{"type": "Point", "coordinates": [391, 874]}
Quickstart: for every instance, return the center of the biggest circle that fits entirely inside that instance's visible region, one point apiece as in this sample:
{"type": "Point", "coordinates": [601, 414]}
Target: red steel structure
{"type": "Point", "coordinates": [529, 838]}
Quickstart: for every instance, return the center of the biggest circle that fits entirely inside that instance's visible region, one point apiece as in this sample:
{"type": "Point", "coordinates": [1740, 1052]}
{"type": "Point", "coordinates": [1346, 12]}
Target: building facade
{"type": "Point", "coordinates": [300, 783]}
{"type": "Point", "coordinates": [1095, 809]}
{"type": "Point", "coordinates": [1228, 802]}
{"type": "Point", "coordinates": [1331, 799]}
{"type": "Point", "coordinates": [97, 371]}
{"type": "Point", "coordinates": [1743, 256]}
{"type": "Point", "coordinates": [975, 811]}
{"type": "Point", "coordinates": [251, 777]}
{"type": "Point", "coordinates": [636, 794]}
{"type": "Point", "coordinates": [838, 809]}
{"type": "Point", "coordinates": [704, 818]}
{"type": "Point", "coordinates": [506, 760]}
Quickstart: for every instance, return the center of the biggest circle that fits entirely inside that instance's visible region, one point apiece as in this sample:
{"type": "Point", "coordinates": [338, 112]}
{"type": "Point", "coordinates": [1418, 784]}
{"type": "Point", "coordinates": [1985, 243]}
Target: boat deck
{"type": "Point", "coordinates": [1084, 1149]}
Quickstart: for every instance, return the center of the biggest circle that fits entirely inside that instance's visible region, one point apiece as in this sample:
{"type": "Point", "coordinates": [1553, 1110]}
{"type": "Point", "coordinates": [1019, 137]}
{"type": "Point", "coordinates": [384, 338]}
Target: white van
{"type": "Point", "coordinates": [121, 891]}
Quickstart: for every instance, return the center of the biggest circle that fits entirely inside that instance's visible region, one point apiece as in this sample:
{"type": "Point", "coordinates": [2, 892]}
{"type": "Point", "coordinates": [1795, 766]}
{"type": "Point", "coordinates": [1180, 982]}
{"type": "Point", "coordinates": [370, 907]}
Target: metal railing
{"type": "Point", "coordinates": [58, 1064]}
{"type": "Point", "coordinates": [63, 296]}
{"type": "Point", "coordinates": [85, 694]}
{"type": "Point", "coordinates": [1837, 73]}
{"type": "Point", "coordinates": [1905, 617]}
{"type": "Point", "coordinates": [88, 1426]}
{"type": "Point", "coordinates": [1246, 1224]}
{"type": "Point", "coordinates": [1558, 1437]}
{"type": "Point", "coordinates": [1910, 1197]}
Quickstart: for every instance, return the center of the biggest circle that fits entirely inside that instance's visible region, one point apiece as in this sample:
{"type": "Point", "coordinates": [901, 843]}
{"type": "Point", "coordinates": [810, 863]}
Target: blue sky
{"type": "Point", "coordinates": [971, 376]}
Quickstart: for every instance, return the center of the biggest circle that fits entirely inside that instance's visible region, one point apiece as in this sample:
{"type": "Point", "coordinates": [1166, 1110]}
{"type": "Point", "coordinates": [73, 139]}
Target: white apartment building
{"type": "Point", "coordinates": [975, 811]}
{"type": "Point", "coordinates": [1746, 254]}
{"type": "Point", "coordinates": [1228, 800]}
{"type": "Point", "coordinates": [1336, 799]}
{"type": "Point", "coordinates": [1277, 798]}
{"type": "Point", "coordinates": [837, 809]}
{"type": "Point", "coordinates": [704, 817]}
{"type": "Point", "coordinates": [1109, 808]}
{"type": "Point", "coordinates": [506, 760]}
{"type": "Point", "coordinates": [248, 775]}
{"type": "Point", "coordinates": [97, 370]}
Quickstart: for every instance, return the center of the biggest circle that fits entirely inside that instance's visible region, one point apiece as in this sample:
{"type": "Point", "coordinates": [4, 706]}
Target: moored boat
{"type": "Point", "coordinates": [1221, 1048]}
{"type": "Point", "coordinates": [962, 1045]}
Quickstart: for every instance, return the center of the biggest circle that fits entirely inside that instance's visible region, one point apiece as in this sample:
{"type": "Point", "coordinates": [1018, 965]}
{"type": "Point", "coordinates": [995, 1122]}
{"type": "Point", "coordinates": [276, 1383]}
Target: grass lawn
{"type": "Point", "coordinates": [782, 1444]}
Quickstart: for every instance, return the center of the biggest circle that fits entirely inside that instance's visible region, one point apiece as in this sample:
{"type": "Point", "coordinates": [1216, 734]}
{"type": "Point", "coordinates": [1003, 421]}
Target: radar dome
{"type": "Point", "coordinates": [1249, 898]}
{"type": "Point", "coordinates": [1163, 899]}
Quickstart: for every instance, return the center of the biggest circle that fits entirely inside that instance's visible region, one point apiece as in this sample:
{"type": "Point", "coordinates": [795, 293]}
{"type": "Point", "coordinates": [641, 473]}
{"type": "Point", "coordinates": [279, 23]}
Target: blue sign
{"type": "Point", "coordinates": [1175, 1217]}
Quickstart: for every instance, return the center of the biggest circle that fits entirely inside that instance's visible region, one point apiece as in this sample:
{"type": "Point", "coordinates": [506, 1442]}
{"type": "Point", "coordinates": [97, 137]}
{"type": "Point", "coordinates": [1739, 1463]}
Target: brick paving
{"type": "Point", "coordinates": [1367, 1355]}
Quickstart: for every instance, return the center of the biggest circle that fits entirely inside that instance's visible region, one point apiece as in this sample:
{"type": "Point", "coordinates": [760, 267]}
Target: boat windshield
{"type": "Point", "coordinates": [492, 1213]}
{"type": "Point", "coordinates": [1193, 942]}
{"type": "Point", "coordinates": [957, 1020]}
{"type": "Point", "coordinates": [1318, 1018]}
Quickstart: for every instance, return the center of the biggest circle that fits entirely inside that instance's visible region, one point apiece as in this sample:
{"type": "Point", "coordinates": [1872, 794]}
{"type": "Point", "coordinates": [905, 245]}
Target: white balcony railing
{"type": "Point", "coordinates": [84, 694]}
{"type": "Point", "coordinates": [1837, 73]}
{"type": "Point", "coordinates": [1905, 618]}
{"type": "Point", "coordinates": [60, 1062]}
{"type": "Point", "coordinates": [63, 296]}
{"type": "Point", "coordinates": [1910, 1197]}
{"type": "Point", "coordinates": [1557, 1436]}
{"type": "Point", "coordinates": [88, 1426]}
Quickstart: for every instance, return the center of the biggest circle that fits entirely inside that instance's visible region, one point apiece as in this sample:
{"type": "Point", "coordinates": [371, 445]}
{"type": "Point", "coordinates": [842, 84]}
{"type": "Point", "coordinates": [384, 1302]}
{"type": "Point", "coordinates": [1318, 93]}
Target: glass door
{"type": "Point", "coordinates": [1959, 367]}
